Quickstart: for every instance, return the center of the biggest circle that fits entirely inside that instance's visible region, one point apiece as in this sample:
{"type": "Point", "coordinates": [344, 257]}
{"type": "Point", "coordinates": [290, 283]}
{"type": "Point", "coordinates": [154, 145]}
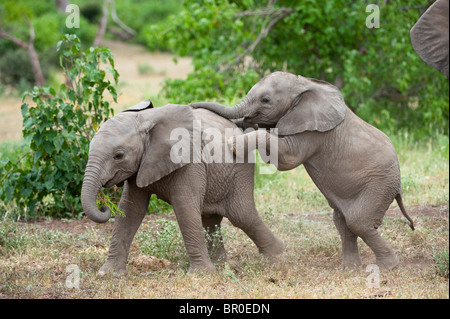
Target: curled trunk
{"type": "Point", "coordinates": [90, 189]}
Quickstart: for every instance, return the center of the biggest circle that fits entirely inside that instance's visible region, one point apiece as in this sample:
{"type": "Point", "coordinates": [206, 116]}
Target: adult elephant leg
{"type": "Point", "coordinates": [214, 239]}
{"type": "Point", "coordinates": [134, 203]}
{"type": "Point", "coordinates": [350, 253]}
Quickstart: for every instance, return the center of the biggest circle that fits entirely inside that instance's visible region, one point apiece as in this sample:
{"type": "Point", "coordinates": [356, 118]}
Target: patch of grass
{"type": "Point", "coordinates": [442, 265]}
{"type": "Point", "coordinates": [162, 238]}
{"type": "Point", "coordinates": [33, 259]}
{"type": "Point", "coordinates": [147, 69]}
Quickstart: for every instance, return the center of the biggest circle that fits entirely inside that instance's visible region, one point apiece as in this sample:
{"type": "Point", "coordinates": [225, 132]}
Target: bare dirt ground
{"type": "Point", "coordinates": [134, 86]}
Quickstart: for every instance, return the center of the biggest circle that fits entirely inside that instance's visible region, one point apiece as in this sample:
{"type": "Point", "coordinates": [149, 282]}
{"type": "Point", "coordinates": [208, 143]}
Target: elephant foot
{"type": "Point", "coordinates": [219, 255]}
{"type": "Point", "coordinates": [201, 268]}
{"type": "Point", "coordinates": [351, 262]}
{"type": "Point", "coordinates": [387, 263]}
{"type": "Point", "coordinates": [276, 248]}
{"type": "Point", "coordinates": [351, 265]}
{"type": "Point", "coordinates": [113, 267]}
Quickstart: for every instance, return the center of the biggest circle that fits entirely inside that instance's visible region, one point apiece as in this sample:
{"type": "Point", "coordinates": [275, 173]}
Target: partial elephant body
{"type": "Point", "coordinates": [201, 193]}
{"type": "Point", "coordinates": [353, 164]}
{"type": "Point", "coordinates": [430, 38]}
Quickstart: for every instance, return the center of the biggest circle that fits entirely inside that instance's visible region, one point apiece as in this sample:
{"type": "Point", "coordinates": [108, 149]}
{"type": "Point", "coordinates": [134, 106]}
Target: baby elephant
{"type": "Point", "coordinates": [353, 164]}
{"type": "Point", "coordinates": [141, 148]}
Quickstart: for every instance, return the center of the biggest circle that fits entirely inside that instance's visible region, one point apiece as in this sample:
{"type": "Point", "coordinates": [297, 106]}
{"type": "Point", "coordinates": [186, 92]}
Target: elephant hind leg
{"type": "Point", "coordinates": [350, 253]}
{"type": "Point", "coordinates": [214, 239]}
{"type": "Point", "coordinates": [386, 257]}
{"type": "Point", "coordinates": [364, 220]}
{"type": "Point", "coordinates": [251, 223]}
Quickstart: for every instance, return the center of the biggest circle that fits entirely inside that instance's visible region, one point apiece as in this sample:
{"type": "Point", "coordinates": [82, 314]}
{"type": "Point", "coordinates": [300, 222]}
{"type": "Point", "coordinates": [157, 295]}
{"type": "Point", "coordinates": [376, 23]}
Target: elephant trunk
{"type": "Point", "coordinates": [89, 190]}
{"type": "Point", "coordinates": [236, 112]}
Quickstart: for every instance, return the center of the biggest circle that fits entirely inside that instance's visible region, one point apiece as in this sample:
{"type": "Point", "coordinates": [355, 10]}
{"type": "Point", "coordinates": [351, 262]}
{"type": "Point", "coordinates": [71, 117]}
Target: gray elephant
{"type": "Point", "coordinates": [429, 36]}
{"type": "Point", "coordinates": [353, 164]}
{"type": "Point", "coordinates": [136, 147]}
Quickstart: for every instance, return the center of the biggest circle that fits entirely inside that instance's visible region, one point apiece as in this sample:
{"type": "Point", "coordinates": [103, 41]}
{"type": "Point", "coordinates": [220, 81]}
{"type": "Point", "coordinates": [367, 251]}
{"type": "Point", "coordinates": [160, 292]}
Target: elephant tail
{"type": "Point", "coordinates": [399, 200]}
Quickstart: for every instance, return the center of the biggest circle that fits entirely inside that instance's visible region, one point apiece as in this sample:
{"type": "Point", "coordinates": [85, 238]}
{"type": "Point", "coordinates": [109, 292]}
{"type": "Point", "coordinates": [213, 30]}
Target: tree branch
{"type": "Point", "coordinates": [119, 22]}
{"type": "Point", "coordinates": [102, 25]}
{"type": "Point", "coordinates": [13, 39]}
{"type": "Point", "coordinates": [104, 21]}
{"type": "Point", "coordinates": [34, 59]}
{"type": "Point", "coordinates": [262, 12]}
{"type": "Point", "coordinates": [278, 14]}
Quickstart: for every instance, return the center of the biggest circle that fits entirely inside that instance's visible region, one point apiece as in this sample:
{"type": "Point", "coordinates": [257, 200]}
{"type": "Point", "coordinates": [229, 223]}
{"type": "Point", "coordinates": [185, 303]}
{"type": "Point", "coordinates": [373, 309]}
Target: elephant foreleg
{"type": "Point", "coordinates": [134, 203]}
{"type": "Point", "coordinates": [285, 152]}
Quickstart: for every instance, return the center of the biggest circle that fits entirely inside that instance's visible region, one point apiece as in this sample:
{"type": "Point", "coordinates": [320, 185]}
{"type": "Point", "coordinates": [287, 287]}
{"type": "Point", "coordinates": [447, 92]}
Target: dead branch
{"type": "Point", "coordinates": [262, 12]}
{"type": "Point", "coordinates": [119, 22]}
{"type": "Point", "coordinates": [110, 5]}
{"type": "Point", "coordinates": [34, 59]}
{"type": "Point", "coordinates": [267, 26]}
{"type": "Point", "coordinates": [102, 25]}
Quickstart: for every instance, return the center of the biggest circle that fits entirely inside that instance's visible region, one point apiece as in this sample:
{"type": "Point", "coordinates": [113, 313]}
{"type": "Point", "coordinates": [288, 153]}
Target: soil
{"type": "Point", "coordinates": [134, 86]}
{"type": "Point", "coordinates": [82, 225]}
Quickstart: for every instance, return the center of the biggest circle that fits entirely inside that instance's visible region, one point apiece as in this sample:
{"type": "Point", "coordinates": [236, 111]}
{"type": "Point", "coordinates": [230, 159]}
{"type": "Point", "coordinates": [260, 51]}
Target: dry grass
{"type": "Point", "coordinates": [34, 256]}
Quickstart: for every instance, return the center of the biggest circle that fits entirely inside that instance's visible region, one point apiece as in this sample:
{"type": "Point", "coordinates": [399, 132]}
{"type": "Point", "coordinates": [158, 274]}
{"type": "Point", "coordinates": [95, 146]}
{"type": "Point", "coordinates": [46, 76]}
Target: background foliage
{"type": "Point", "coordinates": [49, 25]}
{"type": "Point", "coordinates": [377, 70]}
{"type": "Point", "coordinates": [381, 77]}
{"type": "Point", "coordinates": [57, 132]}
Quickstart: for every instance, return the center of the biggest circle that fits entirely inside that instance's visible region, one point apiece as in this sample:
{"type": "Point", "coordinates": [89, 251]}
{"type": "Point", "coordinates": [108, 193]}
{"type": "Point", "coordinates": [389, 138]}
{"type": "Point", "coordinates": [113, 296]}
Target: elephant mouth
{"type": "Point", "coordinates": [116, 180]}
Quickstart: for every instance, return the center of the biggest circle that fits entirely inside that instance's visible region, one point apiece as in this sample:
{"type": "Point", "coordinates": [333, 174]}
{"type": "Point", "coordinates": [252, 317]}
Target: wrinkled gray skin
{"type": "Point", "coordinates": [134, 147]}
{"type": "Point", "coordinates": [353, 164]}
{"type": "Point", "coordinates": [430, 38]}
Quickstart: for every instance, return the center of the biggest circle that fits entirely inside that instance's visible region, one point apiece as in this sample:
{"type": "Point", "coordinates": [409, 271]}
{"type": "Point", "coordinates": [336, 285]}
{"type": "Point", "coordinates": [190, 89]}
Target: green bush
{"type": "Point", "coordinates": [57, 131]}
{"type": "Point", "coordinates": [381, 77]}
{"type": "Point", "coordinates": [16, 70]}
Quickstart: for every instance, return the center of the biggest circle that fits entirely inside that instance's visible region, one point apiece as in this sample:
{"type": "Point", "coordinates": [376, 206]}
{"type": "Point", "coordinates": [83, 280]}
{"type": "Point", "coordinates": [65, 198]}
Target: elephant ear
{"type": "Point", "coordinates": [429, 36]}
{"type": "Point", "coordinates": [320, 107]}
{"type": "Point", "coordinates": [141, 106]}
{"type": "Point", "coordinates": [161, 129]}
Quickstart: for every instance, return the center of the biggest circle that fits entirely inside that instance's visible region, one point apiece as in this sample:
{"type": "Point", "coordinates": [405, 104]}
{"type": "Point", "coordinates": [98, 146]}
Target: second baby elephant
{"type": "Point", "coordinates": [353, 164]}
{"type": "Point", "coordinates": [139, 147]}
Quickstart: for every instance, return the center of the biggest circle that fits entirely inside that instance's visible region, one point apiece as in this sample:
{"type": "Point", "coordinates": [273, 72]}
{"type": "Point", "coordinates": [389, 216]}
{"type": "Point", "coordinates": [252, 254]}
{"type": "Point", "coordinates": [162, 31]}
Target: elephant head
{"type": "Point", "coordinates": [135, 142]}
{"type": "Point", "coordinates": [429, 36]}
{"type": "Point", "coordinates": [291, 103]}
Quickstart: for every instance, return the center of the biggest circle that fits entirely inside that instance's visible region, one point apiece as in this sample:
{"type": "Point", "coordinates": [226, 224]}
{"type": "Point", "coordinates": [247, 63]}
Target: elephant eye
{"type": "Point", "coordinates": [119, 155]}
{"type": "Point", "coordinates": [265, 99]}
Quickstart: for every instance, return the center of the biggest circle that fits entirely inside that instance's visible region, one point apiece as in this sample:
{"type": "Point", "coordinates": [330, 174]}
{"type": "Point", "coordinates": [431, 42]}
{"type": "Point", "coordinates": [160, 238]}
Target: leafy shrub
{"type": "Point", "coordinates": [58, 130]}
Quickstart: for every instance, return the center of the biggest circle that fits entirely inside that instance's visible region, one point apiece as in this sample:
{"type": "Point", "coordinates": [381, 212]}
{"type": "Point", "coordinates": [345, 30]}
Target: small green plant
{"type": "Point", "coordinates": [213, 240]}
{"type": "Point", "coordinates": [162, 240]}
{"type": "Point", "coordinates": [442, 264]}
{"type": "Point", "coordinates": [158, 206]}
{"type": "Point", "coordinates": [11, 238]}
{"type": "Point", "coordinates": [57, 132]}
{"type": "Point", "coordinates": [109, 201]}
